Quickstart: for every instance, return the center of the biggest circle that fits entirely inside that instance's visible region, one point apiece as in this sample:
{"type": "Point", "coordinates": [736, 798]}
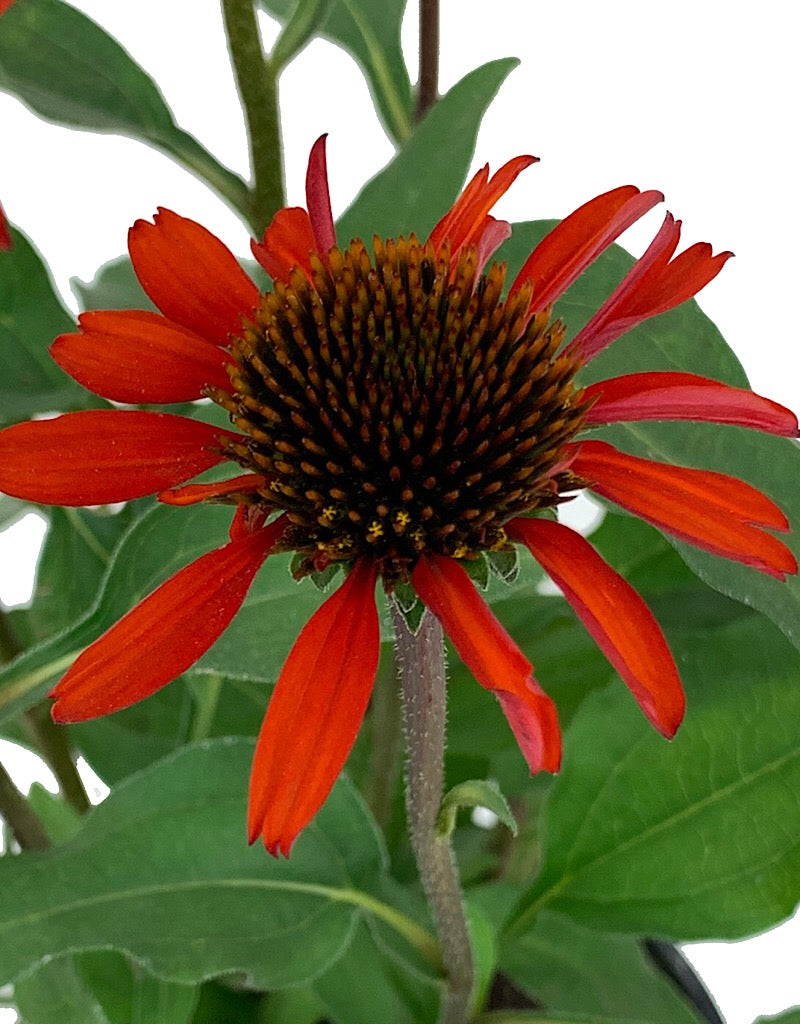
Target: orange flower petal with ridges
{"type": "Point", "coordinates": [710, 510]}
{"type": "Point", "coordinates": [652, 286]}
{"type": "Point", "coordinates": [467, 220]}
{"type": "Point", "coordinates": [578, 240]}
{"type": "Point", "coordinates": [287, 243]}
{"type": "Point", "coordinates": [619, 621]}
{"type": "Point", "coordinates": [165, 634]}
{"type": "Point", "coordinates": [103, 456]}
{"type": "Point", "coordinates": [193, 494]}
{"type": "Point", "coordinates": [191, 276]}
{"type": "Point", "coordinates": [492, 657]}
{"type": "Point", "coordinates": [664, 395]}
{"type": "Point", "coordinates": [315, 712]}
{"type": "Point", "coordinates": [139, 357]}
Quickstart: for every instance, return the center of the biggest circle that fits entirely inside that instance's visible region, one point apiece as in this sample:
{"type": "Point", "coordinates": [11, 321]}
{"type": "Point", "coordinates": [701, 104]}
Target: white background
{"type": "Point", "coordinates": [697, 98]}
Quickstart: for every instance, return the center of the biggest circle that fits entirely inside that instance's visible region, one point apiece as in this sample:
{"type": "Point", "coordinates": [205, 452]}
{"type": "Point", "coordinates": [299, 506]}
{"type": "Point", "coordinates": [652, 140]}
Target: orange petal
{"type": "Point", "coordinates": [652, 286]}
{"type": "Point", "coordinates": [684, 396]}
{"type": "Point", "coordinates": [163, 635]}
{"type": "Point", "coordinates": [287, 243]}
{"type": "Point", "coordinates": [139, 357]}
{"type": "Point", "coordinates": [191, 276]}
{"type": "Point", "coordinates": [492, 657]}
{"type": "Point", "coordinates": [578, 240]}
{"type": "Point", "coordinates": [464, 224]}
{"type": "Point", "coordinates": [710, 510]}
{"type": "Point", "coordinates": [192, 494]}
{"type": "Point", "coordinates": [97, 457]}
{"type": "Point", "coordinates": [315, 712]}
{"type": "Point", "coordinates": [318, 199]}
{"type": "Point", "coordinates": [619, 621]}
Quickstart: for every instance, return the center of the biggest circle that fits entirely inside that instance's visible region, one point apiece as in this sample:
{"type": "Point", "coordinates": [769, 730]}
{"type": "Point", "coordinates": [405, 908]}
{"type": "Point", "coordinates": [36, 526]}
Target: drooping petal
{"type": "Point", "coordinates": [684, 396]}
{"type": "Point", "coordinates": [318, 199]}
{"type": "Point", "coordinates": [287, 243]}
{"type": "Point", "coordinates": [619, 621]}
{"type": "Point", "coordinates": [97, 457]}
{"type": "Point", "coordinates": [578, 240]}
{"type": "Point", "coordinates": [492, 657]}
{"type": "Point", "coordinates": [315, 712]}
{"type": "Point", "coordinates": [139, 357]}
{"type": "Point", "coordinates": [467, 220]}
{"type": "Point", "coordinates": [191, 276]}
{"type": "Point", "coordinates": [713, 511]}
{"type": "Point", "coordinates": [221, 490]}
{"type": "Point", "coordinates": [653, 285]}
{"type": "Point", "coordinates": [165, 634]}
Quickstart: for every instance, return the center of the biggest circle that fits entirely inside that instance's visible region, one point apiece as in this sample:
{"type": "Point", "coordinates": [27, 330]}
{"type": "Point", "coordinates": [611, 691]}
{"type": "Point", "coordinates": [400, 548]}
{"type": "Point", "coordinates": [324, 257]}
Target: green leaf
{"type": "Point", "coordinates": [418, 186]}
{"type": "Point", "coordinates": [60, 820]}
{"type": "Point", "coordinates": [101, 988]}
{"type": "Point", "coordinates": [31, 315]}
{"type": "Point", "coordinates": [789, 1017]}
{"type": "Point", "coordinates": [68, 70]}
{"type": "Point", "coordinates": [370, 32]}
{"type": "Point", "coordinates": [570, 969]}
{"type": "Point", "coordinates": [76, 554]}
{"type": "Point", "coordinates": [685, 339]}
{"type": "Point", "coordinates": [162, 871]}
{"type": "Point", "coordinates": [474, 793]}
{"type": "Point", "coordinates": [366, 981]}
{"type": "Point", "coordinates": [160, 543]}
{"type": "Point", "coordinates": [697, 839]}
{"type": "Point", "coordinates": [298, 29]}
{"type": "Point", "coordinates": [114, 286]}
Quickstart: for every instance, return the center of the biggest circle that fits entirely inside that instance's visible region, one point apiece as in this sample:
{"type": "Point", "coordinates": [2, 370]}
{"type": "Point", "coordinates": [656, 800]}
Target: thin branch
{"type": "Point", "coordinates": [25, 826]}
{"type": "Point", "coordinates": [428, 85]}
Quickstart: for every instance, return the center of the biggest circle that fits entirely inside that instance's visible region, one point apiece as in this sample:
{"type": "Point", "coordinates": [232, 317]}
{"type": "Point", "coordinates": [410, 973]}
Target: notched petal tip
{"type": "Point", "coordinates": [492, 657]}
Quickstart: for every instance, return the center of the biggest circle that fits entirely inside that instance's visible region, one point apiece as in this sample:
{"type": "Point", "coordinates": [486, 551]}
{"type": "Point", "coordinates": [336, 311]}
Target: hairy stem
{"type": "Point", "coordinates": [421, 664]}
{"type": "Point", "coordinates": [428, 85]}
{"type": "Point", "coordinates": [257, 83]}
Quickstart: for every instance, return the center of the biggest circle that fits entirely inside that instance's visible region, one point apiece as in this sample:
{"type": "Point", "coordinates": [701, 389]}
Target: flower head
{"type": "Point", "coordinates": [396, 413]}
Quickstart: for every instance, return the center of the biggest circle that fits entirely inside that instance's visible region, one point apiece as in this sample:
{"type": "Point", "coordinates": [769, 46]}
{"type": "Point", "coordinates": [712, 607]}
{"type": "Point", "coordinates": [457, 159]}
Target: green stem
{"type": "Point", "coordinates": [53, 744]}
{"type": "Point", "coordinates": [422, 672]}
{"type": "Point", "coordinates": [50, 739]}
{"type": "Point", "coordinates": [428, 84]}
{"type": "Point", "coordinates": [15, 809]}
{"type": "Point", "coordinates": [258, 89]}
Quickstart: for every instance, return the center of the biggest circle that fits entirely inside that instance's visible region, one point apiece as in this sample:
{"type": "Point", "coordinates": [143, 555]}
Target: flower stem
{"type": "Point", "coordinates": [53, 745]}
{"type": "Point", "coordinates": [257, 83]}
{"type": "Point", "coordinates": [428, 84]}
{"type": "Point", "coordinates": [421, 664]}
{"type": "Point", "coordinates": [15, 809]}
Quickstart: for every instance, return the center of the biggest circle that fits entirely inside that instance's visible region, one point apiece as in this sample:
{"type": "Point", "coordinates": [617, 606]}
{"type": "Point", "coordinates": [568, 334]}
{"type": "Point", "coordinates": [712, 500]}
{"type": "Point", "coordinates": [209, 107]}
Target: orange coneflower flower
{"type": "Point", "coordinates": [394, 414]}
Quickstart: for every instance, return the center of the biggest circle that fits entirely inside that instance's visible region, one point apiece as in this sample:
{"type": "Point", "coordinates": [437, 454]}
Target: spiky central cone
{"type": "Point", "coordinates": [397, 406]}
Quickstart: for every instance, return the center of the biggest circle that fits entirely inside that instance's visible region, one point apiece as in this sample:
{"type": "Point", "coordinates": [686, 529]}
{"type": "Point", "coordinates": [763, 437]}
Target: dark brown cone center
{"type": "Point", "coordinates": [398, 406]}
